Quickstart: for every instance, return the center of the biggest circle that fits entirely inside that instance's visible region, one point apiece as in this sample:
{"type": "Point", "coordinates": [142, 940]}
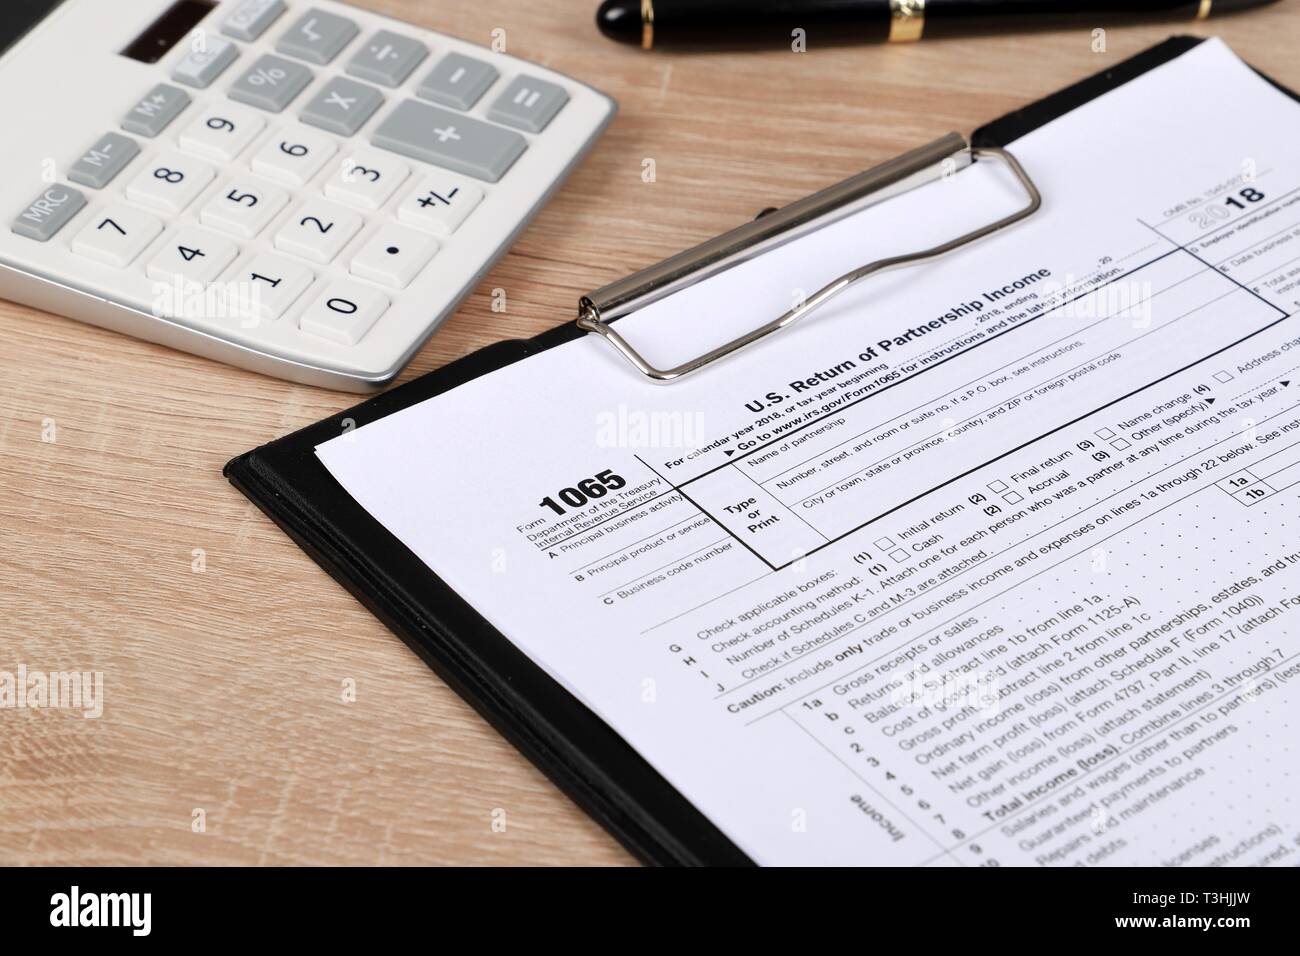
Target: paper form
{"type": "Point", "coordinates": [992, 562]}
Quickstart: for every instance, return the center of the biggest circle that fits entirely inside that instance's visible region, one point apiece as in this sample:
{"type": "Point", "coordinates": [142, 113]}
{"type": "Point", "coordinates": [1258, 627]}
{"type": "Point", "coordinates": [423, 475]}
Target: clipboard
{"type": "Point", "coordinates": [580, 753]}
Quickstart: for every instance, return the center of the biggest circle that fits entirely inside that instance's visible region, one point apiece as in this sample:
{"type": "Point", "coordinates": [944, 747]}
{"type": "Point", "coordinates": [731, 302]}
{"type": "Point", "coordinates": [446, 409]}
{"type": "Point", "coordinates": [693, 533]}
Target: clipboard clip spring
{"type": "Point", "coordinates": [915, 168]}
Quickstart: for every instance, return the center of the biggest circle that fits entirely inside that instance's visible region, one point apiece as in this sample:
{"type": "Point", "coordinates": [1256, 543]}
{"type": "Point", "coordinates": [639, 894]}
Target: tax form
{"type": "Point", "coordinates": [991, 561]}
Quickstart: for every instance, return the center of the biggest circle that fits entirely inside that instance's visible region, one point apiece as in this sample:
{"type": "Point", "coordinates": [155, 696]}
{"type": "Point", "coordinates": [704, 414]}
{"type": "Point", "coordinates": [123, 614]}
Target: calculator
{"type": "Point", "coordinates": [297, 187]}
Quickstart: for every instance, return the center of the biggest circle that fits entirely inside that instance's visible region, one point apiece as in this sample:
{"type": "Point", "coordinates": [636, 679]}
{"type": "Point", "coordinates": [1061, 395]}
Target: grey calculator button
{"type": "Point", "coordinates": [342, 106]}
{"type": "Point", "coordinates": [200, 67]}
{"type": "Point", "coordinates": [155, 110]}
{"type": "Point", "coordinates": [387, 58]}
{"type": "Point", "coordinates": [528, 103]}
{"type": "Point", "coordinates": [104, 160]}
{"type": "Point", "coordinates": [271, 83]}
{"type": "Point", "coordinates": [317, 36]}
{"type": "Point", "coordinates": [48, 213]}
{"type": "Point", "coordinates": [250, 19]}
{"type": "Point", "coordinates": [458, 81]}
{"type": "Point", "coordinates": [451, 140]}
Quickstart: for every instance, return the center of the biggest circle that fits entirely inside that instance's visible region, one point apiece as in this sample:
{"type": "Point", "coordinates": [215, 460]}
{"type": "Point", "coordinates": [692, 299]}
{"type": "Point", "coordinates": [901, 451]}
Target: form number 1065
{"type": "Point", "coordinates": [584, 491]}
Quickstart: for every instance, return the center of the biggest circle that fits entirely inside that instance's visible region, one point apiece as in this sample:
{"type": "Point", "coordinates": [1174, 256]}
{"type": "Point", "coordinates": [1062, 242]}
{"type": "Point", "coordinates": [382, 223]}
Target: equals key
{"type": "Point", "coordinates": [528, 104]}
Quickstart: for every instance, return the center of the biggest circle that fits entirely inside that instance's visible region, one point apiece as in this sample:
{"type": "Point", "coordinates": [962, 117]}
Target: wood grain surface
{"type": "Point", "coordinates": [224, 688]}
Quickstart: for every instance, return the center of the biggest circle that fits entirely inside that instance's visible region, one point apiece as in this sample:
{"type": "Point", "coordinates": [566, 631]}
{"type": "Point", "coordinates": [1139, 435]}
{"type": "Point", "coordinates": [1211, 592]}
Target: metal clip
{"type": "Point", "coordinates": [717, 255]}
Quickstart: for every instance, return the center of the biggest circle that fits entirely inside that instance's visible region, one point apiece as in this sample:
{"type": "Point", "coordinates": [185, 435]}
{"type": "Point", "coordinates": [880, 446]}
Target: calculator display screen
{"type": "Point", "coordinates": [19, 16]}
{"type": "Point", "coordinates": [161, 35]}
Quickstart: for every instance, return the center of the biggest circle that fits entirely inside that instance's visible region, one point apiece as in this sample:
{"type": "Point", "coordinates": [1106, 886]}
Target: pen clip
{"type": "Point", "coordinates": [590, 318]}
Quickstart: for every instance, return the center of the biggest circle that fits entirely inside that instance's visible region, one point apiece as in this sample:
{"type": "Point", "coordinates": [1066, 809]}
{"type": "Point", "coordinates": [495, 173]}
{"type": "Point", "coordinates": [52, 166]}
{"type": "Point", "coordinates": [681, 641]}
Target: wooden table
{"type": "Point", "coordinates": [224, 687]}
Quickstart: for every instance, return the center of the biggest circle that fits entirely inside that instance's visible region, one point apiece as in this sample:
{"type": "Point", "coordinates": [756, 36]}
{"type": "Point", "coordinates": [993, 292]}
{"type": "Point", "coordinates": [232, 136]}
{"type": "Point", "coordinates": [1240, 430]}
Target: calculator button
{"type": "Point", "coordinates": [342, 106]}
{"type": "Point", "coordinates": [250, 19]}
{"type": "Point", "coordinates": [293, 155]}
{"type": "Point", "coordinates": [48, 213]}
{"type": "Point", "coordinates": [528, 104]}
{"type": "Point", "coordinates": [344, 312]}
{"type": "Point", "coordinates": [318, 231]}
{"type": "Point", "coordinates": [156, 110]}
{"type": "Point", "coordinates": [170, 182]}
{"type": "Point", "coordinates": [222, 131]}
{"type": "Point", "coordinates": [243, 207]}
{"type": "Point", "coordinates": [271, 83]}
{"type": "Point", "coordinates": [366, 178]}
{"type": "Point", "coordinates": [101, 163]}
{"type": "Point", "coordinates": [387, 58]}
{"type": "Point", "coordinates": [192, 255]}
{"type": "Point", "coordinates": [440, 204]}
{"type": "Point", "coordinates": [448, 139]}
{"type": "Point", "coordinates": [274, 282]}
{"type": "Point", "coordinates": [117, 235]}
{"type": "Point", "coordinates": [393, 256]}
{"type": "Point", "coordinates": [200, 67]}
{"type": "Point", "coordinates": [317, 37]}
{"type": "Point", "coordinates": [458, 81]}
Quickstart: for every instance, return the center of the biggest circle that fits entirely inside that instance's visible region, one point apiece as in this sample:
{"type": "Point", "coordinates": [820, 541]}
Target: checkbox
{"type": "Point", "coordinates": [1119, 444]}
{"type": "Point", "coordinates": [1222, 376]}
{"type": "Point", "coordinates": [998, 486]}
{"type": "Point", "coordinates": [884, 544]}
{"type": "Point", "coordinates": [1012, 498]}
{"type": "Point", "coordinates": [899, 555]}
{"type": "Point", "coordinates": [1104, 433]}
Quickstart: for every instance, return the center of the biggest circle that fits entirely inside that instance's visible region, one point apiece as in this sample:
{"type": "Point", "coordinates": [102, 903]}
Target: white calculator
{"type": "Point", "coordinates": [297, 187]}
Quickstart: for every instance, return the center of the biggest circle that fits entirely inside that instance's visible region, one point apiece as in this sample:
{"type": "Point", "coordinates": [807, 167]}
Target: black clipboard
{"type": "Point", "coordinates": [591, 763]}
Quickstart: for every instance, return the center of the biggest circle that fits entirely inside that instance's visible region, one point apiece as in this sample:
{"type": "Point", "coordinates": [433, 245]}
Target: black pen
{"type": "Point", "coordinates": [736, 23]}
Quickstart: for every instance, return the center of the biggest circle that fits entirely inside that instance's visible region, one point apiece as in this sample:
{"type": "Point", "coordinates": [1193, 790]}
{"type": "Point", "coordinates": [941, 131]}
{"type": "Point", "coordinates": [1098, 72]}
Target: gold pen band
{"type": "Point", "coordinates": [647, 24]}
{"type": "Point", "coordinates": [907, 20]}
{"type": "Point", "coordinates": [1204, 11]}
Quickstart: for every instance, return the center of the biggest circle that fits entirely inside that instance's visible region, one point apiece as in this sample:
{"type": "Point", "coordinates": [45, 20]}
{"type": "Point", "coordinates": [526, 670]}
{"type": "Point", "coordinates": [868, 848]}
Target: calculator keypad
{"type": "Point", "coordinates": [171, 182]}
{"type": "Point", "coordinates": [243, 207]}
{"type": "Point", "coordinates": [344, 312]}
{"type": "Point", "coordinates": [117, 235]}
{"type": "Point", "coordinates": [367, 178]}
{"type": "Point", "coordinates": [274, 283]}
{"type": "Point", "coordinates": [458, 81]}
{"type": "Point", "coordinates": [192, 255]}
{"type": "Point", "coordinates": [222, 131]}
{"type": "Point", "coordinates": [49, 212]}
{"type": "Point", "coordinates": [250, 18]}
{"type": "Point", "coordinates": [155, 110]}
{"type": "Point", "coordinates": [317, 37]}
{"type": "Point", "coordinates": [271, 83]}
{"type": "Point", "coordinates": [202, 65]}
{"type": "Point", "coordinates": [318, 230]}
{"type": "Point", "coordinates": [342, 106]}
{"type": "Point", "coordinates": [99, 165]}
{"type": "Point", "coordinates": [387, 58]}
{"type": "Point", "coordinates": [528, 104]}
{"type": "Point", "coordinates": [443, 138]}
{"type": "Point", "coordinates": [440, 203]}
{"type": "Point", "coordinates": [293, 155]}
{"type": "Point", "coordinates": [393, 256]}
{"type": "Point", "coordinates": [322, 179]}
